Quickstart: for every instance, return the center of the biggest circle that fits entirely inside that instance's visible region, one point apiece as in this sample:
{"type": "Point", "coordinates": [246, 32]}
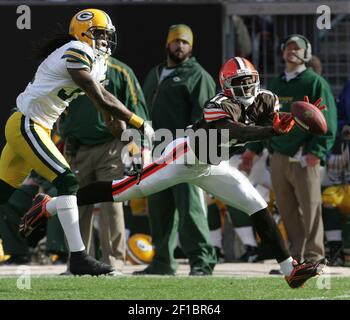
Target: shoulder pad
{"type": "Point", "coordinates": [218, 99]}
{"type": "Point", "coordinates": [213, 110]}
{"type": "Point", "coordinates": [79, 53]}
{"type": "Point", "coordinates": [268, 96]}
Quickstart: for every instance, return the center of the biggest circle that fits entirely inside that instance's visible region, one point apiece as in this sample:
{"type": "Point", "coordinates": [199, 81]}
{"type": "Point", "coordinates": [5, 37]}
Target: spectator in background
{"type": "Point", "coordinates": [263, 43]}
{"type": "Point", "coordinates": [296, 156]}
{"type": "Point", "coordinates": [336, 177]}
{"type": "Point", "coordinates": [175, 92]}
{"type": "Point", "coordinates": [337, 174]}
{"type": "Point", "coordinates": [332, 218]}
{"type": "Point", "coordinates": [95, 155]}
{"type": "Point", "coordinates": [315, 64]}
{"type": "Point", "coordinates": [343, 108]}
{"type": "Point", "coordinates": [242, 40]}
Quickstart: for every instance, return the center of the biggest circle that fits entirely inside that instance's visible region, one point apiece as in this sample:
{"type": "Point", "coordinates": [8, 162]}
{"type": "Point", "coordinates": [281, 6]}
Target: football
{"type": "Point", "coordinates": [308, 117]}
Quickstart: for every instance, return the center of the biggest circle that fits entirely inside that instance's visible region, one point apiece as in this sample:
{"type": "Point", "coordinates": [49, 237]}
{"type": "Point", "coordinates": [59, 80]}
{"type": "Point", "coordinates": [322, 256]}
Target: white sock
{"type": "Point", "coordinates": [216, 237]}
{"type": "Point", "coordinates": [334, 235]}
{"type": "Point", "coordinates": [287, 266]}
{"type": "Point", "coordinates": [247, 236]}
{"type": "Point", "coordinates": [68, 214]}
{"type": "Point", "coordinates": [51, 206]}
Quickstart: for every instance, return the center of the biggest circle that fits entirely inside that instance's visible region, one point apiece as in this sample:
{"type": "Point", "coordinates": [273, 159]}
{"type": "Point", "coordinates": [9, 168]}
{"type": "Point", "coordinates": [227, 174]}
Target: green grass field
{"type": "Point", "coordinates": [169, 288]}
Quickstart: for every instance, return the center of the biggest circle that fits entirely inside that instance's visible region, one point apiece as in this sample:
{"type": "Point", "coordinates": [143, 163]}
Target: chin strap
{"type": "Point", "coordinates": [245, 101]}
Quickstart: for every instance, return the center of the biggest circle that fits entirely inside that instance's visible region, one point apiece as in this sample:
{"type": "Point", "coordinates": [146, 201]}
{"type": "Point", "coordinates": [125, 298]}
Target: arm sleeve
{"type": "Point", "coordinates": [127, 89]}
{"type": "Point", "coordinates": [267, 119]}
{"type": "Point", "coordinates": [241, 132]}
{"type": "Point", "coordinates": [124, 85]}
{"type": "Point", "coordinates": [212, 112]}
{"type": "Point", "coordinates": [271, 106]}
{"type": "Point", "coordinates": [137, 98]}
{"type": "Point", "coordinates": [78, 57]}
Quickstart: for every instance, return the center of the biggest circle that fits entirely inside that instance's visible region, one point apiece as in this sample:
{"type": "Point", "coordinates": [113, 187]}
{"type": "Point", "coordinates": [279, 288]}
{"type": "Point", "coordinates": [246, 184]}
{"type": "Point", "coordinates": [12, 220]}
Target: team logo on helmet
{"type": "Point", "coordinates": [84, 16]}
{"type": "Point", "coordinates": [139, 249]}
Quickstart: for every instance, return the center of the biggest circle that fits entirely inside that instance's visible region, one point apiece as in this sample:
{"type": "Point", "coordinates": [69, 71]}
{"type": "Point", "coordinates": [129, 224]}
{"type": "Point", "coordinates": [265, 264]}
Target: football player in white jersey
{"type": "Point", "coordinates": [248, 114]}
{"type": "Point", "coordinates": [73, 64]}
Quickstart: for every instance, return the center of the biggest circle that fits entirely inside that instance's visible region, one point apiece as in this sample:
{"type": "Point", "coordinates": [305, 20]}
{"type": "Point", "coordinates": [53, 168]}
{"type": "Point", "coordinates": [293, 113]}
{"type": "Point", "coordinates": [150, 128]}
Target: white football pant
{"type": "Point", "coordinates": [222, 181]}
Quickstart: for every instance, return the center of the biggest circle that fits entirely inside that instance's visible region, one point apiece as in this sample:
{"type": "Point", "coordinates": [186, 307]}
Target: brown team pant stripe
{"type": "Point", "coordinates": [151, 169]}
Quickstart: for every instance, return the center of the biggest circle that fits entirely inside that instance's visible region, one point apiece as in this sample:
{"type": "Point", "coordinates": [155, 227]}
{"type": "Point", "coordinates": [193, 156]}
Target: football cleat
{"type": "Point", "coordinates": [149, 271]}
{"type": "Point", "coordinates": [304, 271]}
{"type": "Point", "coordinates": [335, 253]}
{"type": "Point", "coordinates": [198, 271]}
{"type": "Point", "coordinates": [35, 216]}
{"type": "Point", "coordinates": [250, 255]}
{"type": "Point", "coordinates": [80, 263]}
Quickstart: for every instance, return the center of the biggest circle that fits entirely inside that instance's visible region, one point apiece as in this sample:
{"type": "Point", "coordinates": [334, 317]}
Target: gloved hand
{"type": "Point", "coordinates": [283, 123]}
{"type": "Point", "coordinates": [148, 133]}
{"type": "Point", "coordinates": [136, 167]}
{"type": "Point", "coordinates": [316, 104]}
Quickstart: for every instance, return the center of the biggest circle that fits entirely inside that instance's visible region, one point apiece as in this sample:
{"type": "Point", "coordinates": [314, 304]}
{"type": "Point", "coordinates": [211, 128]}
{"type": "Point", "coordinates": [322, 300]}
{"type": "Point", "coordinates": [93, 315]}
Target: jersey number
{"type": "Point", "coordinates": [62, 94]}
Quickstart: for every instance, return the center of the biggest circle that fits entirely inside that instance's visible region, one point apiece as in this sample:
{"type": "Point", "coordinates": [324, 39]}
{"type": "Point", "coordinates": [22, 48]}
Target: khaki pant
{"type": "Point", "coordinates": [102, 163]}
{"type": "Point", "coordinates": [298, 198]}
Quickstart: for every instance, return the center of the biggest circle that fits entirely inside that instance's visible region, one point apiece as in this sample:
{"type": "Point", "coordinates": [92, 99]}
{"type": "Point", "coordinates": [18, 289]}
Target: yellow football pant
{"type": "Point", "coordinates": [29, 146]}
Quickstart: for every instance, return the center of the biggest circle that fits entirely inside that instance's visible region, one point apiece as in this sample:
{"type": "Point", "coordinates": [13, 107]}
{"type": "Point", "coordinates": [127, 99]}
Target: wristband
{"type": "Point", "coordinates": [136, 121]}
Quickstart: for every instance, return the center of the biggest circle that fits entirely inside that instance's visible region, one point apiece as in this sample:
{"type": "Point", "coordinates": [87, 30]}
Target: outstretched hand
{"type": "Point", "coordinates": [283, 123]}
{"type": "Point", "coordinates": [316, 103]}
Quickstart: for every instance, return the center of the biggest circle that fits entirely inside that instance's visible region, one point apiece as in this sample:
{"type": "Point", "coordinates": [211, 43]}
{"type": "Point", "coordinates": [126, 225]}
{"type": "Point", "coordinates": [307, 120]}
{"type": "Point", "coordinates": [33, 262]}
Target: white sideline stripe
{"type": "Point", "coordinates": [345, 296]}
{"type": "Point", "coordinates": [39, 149]}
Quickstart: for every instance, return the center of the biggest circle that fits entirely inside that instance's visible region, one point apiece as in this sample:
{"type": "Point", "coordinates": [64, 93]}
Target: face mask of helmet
{"type": "Point", "coordinates": [244, 88]}
{"type": "Point", "coordinates": [104, 40]}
